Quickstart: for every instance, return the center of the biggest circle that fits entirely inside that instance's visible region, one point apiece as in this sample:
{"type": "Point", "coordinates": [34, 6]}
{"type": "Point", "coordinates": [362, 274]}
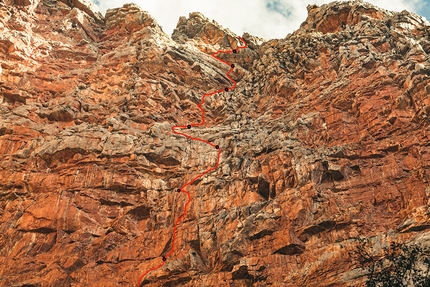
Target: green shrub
{"type": "Point", "coordinates": [398, 265]}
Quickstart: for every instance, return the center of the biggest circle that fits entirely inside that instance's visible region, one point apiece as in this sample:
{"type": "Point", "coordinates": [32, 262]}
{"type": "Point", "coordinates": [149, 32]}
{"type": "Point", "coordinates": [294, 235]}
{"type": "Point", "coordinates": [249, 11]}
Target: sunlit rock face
{"type": "Point", "coordinates": [325, 138]}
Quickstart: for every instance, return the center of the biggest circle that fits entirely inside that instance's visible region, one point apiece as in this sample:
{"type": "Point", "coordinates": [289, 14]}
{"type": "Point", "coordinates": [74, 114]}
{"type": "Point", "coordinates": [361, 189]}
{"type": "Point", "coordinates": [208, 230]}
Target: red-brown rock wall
{"type": "Point", "coordinates": [325, 138]}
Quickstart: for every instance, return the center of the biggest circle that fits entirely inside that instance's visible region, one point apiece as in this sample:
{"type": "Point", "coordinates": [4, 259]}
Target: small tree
{"type": "Point", "coordinates": [399, 265]}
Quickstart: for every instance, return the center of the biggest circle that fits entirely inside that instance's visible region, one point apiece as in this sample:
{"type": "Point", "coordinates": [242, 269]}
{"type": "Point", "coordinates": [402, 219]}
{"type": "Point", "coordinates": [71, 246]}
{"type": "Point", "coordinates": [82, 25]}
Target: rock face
{"type": "Point", "coordinates": [325, 138]}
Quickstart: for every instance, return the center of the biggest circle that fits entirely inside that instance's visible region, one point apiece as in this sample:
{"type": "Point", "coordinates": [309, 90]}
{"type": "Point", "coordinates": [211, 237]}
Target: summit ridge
{"type": "Point", "coordinates": [324, 139]}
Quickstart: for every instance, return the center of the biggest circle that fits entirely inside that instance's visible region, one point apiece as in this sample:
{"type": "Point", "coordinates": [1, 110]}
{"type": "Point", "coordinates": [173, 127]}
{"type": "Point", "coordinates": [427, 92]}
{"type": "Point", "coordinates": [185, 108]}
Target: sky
{"type": "Point", "coordinates": [264, 18]}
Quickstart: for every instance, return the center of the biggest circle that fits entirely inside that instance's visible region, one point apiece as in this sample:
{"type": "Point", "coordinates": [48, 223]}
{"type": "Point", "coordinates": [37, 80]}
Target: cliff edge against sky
{"type": "Point", "coordinates": [325, 138]}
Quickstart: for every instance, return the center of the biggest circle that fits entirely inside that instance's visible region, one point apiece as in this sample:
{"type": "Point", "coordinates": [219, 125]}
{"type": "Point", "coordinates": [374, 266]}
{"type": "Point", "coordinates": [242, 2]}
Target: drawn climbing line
{"type": "Point", "coordinates": [189, 126]}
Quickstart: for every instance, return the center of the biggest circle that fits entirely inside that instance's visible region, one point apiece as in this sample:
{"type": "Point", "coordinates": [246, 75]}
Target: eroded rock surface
{"type": "Point", "coordinates": [325, 138]}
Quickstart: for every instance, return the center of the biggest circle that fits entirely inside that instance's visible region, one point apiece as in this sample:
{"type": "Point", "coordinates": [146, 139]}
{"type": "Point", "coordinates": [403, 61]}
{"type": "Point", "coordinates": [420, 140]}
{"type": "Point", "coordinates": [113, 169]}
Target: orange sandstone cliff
{"type": "Point", "coordinates": [325, 138]}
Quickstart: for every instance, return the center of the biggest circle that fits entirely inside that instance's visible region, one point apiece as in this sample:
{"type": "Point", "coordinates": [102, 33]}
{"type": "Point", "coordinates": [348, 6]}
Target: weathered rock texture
{"type": "Point", "coordinates": [325, 138]}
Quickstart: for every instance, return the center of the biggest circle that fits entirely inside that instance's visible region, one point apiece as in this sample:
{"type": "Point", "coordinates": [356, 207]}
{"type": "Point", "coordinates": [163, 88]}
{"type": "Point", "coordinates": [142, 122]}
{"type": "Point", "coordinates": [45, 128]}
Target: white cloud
{"type": "Point", "coordinates": [252, 16]}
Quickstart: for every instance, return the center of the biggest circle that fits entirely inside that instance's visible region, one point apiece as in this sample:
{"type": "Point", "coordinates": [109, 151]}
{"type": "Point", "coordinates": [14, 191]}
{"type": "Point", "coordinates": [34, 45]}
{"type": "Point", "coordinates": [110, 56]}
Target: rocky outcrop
{"type": "Point", "coordinates": [325, 138]}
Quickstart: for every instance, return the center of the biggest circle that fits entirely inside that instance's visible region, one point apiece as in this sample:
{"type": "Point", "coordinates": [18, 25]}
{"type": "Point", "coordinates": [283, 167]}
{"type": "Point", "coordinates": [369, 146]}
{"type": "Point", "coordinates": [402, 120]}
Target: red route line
{"type": "Point", "coordinates": [175, 226]}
